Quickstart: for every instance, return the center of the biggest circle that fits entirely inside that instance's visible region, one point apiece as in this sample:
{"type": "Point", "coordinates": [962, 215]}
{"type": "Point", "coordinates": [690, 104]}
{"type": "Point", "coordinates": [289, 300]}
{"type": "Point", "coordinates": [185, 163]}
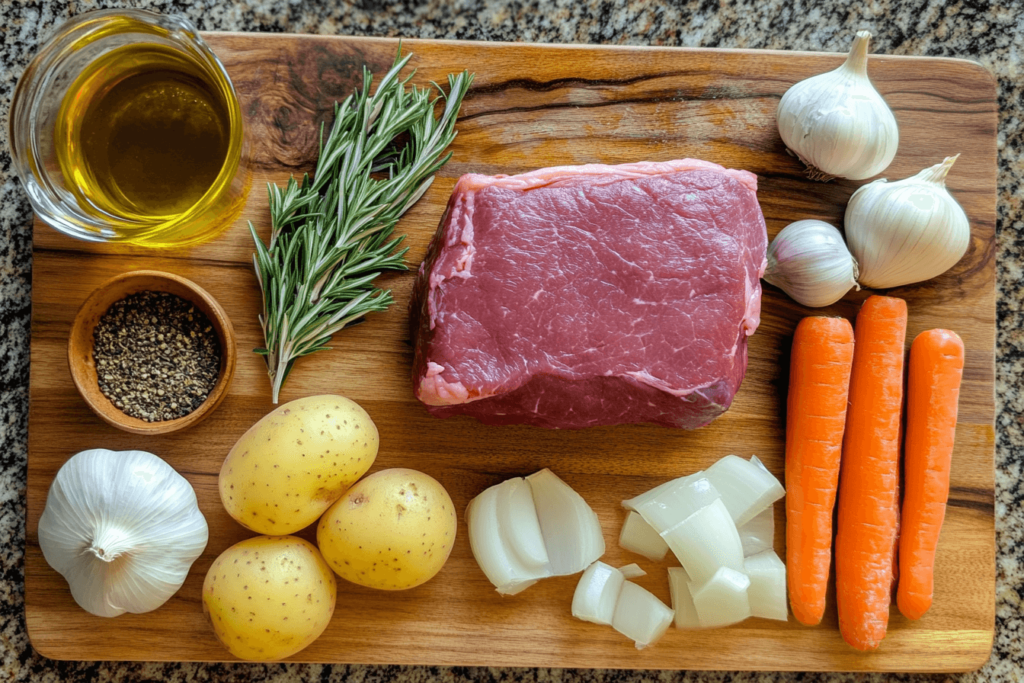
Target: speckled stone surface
{"type": "Point", "coordinates": [990, 33]}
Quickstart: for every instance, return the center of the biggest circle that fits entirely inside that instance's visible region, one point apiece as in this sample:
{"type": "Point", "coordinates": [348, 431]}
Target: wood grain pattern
{"type": "Point", "coordinates": [534, 106]}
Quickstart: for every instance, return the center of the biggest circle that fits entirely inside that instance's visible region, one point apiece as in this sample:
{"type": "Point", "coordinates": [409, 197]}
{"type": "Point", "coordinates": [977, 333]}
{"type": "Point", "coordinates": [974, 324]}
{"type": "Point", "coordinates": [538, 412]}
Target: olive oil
{"type": "Point", "coordinates": [144, 133]}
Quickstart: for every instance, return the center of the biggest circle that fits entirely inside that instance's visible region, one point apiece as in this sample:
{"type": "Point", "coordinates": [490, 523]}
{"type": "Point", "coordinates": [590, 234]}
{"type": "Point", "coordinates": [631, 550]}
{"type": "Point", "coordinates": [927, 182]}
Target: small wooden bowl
{"type": "Point", "coordinates": [83, 365]}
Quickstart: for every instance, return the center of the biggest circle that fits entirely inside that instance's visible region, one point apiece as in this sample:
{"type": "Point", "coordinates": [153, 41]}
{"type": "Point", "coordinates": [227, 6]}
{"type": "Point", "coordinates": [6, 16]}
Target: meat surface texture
{"type": "Point", "coordinates": [579, 296]}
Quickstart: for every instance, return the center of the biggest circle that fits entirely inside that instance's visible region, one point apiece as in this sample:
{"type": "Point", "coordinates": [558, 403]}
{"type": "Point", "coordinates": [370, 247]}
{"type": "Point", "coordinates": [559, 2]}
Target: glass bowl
{"type": "Point", "coordinates": [37, 104]}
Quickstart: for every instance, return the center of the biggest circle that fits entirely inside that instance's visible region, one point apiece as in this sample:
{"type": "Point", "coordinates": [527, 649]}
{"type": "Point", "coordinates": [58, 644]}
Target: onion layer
{"type": "Point", "coordinates": [596, 594]}
{"type": "Point", "coordinates": [636, 502]}
{"type": "Point", "coordinates": [638, 537]}
{"type": "Point", "coordinates": [758, 534]}
{"type": "Point", "coordinates": [522, 531]}
{"type": "Point", "coordinates": [640, 616]}
{"type": "Point", "coordinates": [706, 541]}
{"type": "Point", "coordinates": [722, 600]}
{"type": "Point", "coordinates": [572, 533]}
{"type": "Point", "coordinates": [767, 585]}
{"type": "Point", "coordinates": [682, 601]}
{"type": "Point", "coordinates": [632, 571]}
{"type": "Point", "coordinates": [517, 519]}
{"type": "Point", "coordinates": [677, 502]}
{"type": "Point", "coordinates": [746, 486]}
{"type": "Point", "coordinates": [499, 562]}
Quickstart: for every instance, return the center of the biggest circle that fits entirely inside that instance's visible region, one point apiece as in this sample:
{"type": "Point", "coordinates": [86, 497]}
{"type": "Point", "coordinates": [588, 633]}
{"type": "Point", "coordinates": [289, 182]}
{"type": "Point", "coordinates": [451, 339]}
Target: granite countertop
{"type": "Point", "coordinates": [956, 28]}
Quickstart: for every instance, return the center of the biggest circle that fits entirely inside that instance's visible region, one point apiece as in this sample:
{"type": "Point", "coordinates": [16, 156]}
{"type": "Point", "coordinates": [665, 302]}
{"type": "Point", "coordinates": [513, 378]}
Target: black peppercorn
{"type": "Point", "coordinates": [157, 356]}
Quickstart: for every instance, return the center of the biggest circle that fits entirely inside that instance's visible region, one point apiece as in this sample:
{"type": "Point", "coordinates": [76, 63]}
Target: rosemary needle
{"type": "Point", "coordinates": [331, 236]}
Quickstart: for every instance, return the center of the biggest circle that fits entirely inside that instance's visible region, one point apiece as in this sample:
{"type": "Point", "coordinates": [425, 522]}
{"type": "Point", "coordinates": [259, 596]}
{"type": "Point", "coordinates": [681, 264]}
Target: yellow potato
{"type": "Point", "coordinates": [393, 530]}
{"type": "Point", "coordinates": [295, 462]}
{"type": "Point", "coordinates": [269, 597]}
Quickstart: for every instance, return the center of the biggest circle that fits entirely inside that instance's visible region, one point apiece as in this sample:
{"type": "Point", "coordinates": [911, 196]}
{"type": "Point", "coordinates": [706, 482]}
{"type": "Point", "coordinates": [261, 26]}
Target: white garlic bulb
{"type": "Point", "coordinates": [837, 123]}
{"type": "Point", "coordinates": [123, 528]}
{"type": "Point", "coordinates": [907, 231]}
{"type": "Point", "coordinates": [809, 261]}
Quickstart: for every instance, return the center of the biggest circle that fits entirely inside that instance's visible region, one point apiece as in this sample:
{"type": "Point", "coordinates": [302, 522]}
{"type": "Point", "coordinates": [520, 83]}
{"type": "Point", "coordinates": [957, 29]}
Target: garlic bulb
{"type": "Point", "coordinates": [907, 231]}
{"type": "Point", "coordinates": [809, 261]}
{"type": "Point", "coordinates": [837, 123]}
{"type": "Point", "coordinates": [123, 528]}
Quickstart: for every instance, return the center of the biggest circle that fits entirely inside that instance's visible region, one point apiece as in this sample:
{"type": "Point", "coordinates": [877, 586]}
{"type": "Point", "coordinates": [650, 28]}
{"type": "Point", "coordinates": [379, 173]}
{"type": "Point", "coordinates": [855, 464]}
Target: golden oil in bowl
{"type": "Point", "coordinates": [143, 133]}
{"type": "Point", "coordinates": [144, 144]}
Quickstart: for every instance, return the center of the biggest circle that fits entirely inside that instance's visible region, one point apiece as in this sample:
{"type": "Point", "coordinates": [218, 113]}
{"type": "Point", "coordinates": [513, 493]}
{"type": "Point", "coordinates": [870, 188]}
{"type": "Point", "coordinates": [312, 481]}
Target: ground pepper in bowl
{"type": "Point", "coordinates": [157, 356]}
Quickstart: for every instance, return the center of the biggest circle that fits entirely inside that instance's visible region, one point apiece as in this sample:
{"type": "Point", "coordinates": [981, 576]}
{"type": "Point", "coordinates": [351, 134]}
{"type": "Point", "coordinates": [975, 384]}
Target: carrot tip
{"type": "Point", "coordinates": [914, 612]}
{"type": "Point", "coordinates": [864, 647]}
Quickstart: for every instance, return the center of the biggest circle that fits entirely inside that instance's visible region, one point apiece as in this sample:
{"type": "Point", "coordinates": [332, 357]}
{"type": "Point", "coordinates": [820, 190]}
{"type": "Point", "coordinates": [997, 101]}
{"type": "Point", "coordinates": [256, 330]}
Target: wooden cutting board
{"type": "Point", "coordinates": [534, 106]}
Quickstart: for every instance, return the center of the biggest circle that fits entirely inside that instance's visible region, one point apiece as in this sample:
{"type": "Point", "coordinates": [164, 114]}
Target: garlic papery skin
{"type": "Point", "coordinates": [123, 528]}
{"type": "Point", "coordinates": [837, 123]}
{"type": "Point", "coordinates": [906, 231]}
{"type": "Point", "coordinates": [809, 261]}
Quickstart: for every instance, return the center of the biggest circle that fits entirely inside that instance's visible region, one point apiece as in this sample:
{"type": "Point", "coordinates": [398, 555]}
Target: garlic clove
{"type": "Point", "coordinates": [837, 123]}
{"type": "Point", "coordinates": [907, 231]}
{"type": "Point", "coordinates": [809, 261]}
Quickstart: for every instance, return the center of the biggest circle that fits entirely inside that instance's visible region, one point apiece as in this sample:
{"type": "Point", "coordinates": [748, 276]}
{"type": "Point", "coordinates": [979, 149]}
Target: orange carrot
{"type": "Point", "coordinates": [933, 388]}
{"type": "Point", "coordinates": [868, 500]}
{"type": "Point", "coordinates": [819, 379]}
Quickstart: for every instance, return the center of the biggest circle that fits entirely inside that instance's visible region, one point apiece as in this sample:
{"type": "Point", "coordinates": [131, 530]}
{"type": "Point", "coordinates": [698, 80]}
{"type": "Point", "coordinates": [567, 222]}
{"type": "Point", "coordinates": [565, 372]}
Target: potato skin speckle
{"type": "Point", "coordinates": [262, 631]}
{"type": "Point", "coordinates": [284, 442]}
{"type": "Point", "coordinates": [393, 530]}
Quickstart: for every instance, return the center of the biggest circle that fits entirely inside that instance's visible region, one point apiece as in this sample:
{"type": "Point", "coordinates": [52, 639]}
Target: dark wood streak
{"type": "Point", "coordinates": [196, 473]}
{"type": "Point", "coordinates": [577, 138]}
{"type": "Point", "coordinates": [177, 255]}
{"type": "Point", "coordinates": [947, 112]}
{"type": "Point", "coordinates": [559, 83]}
{"type": "Point", "coordinates": [586, 83]}
{"type": "Point", "coordinates": [657, 99]}
{"type": "Point", "coordinates": [979, 263]}
{"type": "Point", "coordinates": [944, 98]}
{"type": "Point", "coordinates": [980, 500]}
{"type": "Point", "coordinates": [292, 98]}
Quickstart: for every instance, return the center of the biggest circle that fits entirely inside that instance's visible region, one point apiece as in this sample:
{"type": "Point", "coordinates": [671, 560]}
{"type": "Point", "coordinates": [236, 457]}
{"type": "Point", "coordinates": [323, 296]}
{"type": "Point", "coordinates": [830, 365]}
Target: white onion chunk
{"type": "Point", "coordinates": [640, 616]}
{"type": "Point", "coordinates": [767, 585]}
{"type": "Point", "coordinates": [632, 571]}
{"type": "Point", "coordinates": [637, 501]}
{"type": "Point", "coordinates": [682, 601]}
{"type": "Point", "coordinates": [723, 600]}
{"type": "Point", "coordinates": [706, 541]}
{"type": "Point", "coordinates": [758, 534]}
{"type": "Point", "coordinates": [520, 527]}
{"type": "Point", "coordinates": [499, 562]}
{"type": "Point", "coordinates": [677, 502]}
{"type": "Point", "coordinates": [572, 533]}
{"type": "Point", "coordinates": [522, 531]}
{"type": "Point", "coordinates": [638, 537]}
{"type": "Point", "coordinates": [597, 593]}
{"type": "Point", "coordinates": [746, 486]}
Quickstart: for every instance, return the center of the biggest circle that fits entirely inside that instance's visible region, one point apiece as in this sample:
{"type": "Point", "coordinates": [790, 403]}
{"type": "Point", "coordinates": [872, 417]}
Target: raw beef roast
{"type": "Point", "coordinates": [591, 295]}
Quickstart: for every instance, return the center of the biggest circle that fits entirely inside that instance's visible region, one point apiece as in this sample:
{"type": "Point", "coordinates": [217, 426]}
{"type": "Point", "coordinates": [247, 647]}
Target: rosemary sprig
{"type": "Point", "coordinates": [331, 235]}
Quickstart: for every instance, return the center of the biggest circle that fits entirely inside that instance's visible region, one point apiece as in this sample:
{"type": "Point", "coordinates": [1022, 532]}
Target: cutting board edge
{"type": "Point", "coordinates": [969, 661]}
{"type": "Point", "coordinates": [605, 47]}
